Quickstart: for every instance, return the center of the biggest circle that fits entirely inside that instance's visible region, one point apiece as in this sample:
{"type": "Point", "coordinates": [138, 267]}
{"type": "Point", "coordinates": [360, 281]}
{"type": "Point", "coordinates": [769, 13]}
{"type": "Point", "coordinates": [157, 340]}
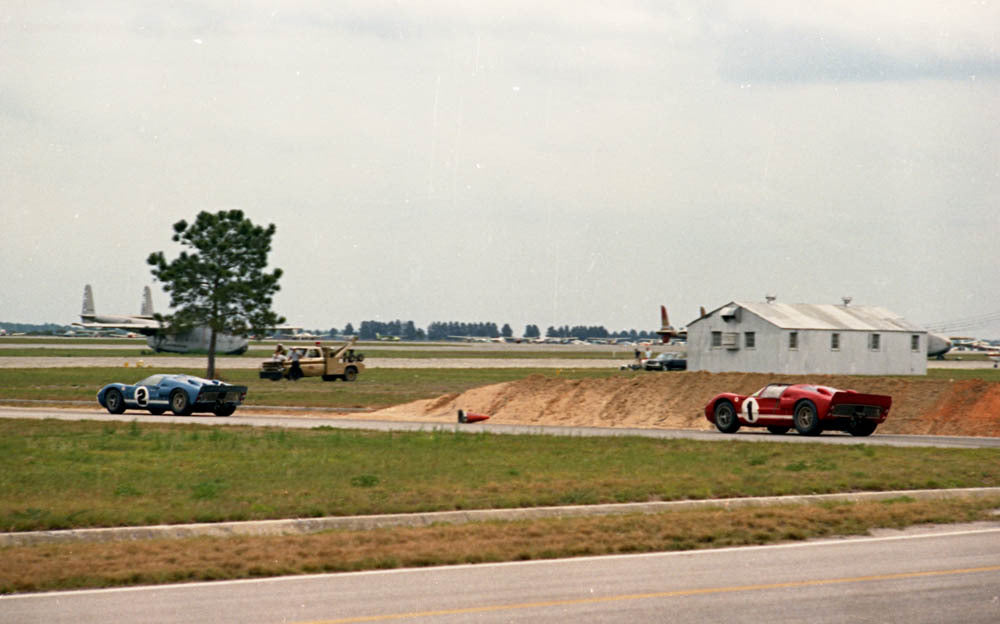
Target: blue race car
{"type": "Point", "coordinates": [182, 394]}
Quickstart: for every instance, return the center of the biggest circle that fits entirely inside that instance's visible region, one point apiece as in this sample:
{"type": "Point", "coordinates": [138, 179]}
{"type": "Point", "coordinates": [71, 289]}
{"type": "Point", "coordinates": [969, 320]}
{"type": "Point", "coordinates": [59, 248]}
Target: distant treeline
{"type": "Point", "coordinates": [34, 328]}
{"type": "Point", "coordinates": [371, 330]}
{"type": "Point", "coordinates": [594, 331]}
{"type": "Point", "coordinates": [407, 330]}
{"type": "Point", "coordinates": [442, 330]}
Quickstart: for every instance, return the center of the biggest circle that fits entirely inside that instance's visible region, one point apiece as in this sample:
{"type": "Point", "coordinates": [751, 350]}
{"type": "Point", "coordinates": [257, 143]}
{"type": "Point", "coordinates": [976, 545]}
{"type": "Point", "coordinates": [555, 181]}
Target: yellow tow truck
{"type": "Point", "coordinates": [330, 363]}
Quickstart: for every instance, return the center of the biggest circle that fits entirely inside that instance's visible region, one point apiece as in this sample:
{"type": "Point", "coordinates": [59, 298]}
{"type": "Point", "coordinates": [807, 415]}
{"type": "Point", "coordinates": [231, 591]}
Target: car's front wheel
{"type": "Point", "coordinates": [726, 420]}
{"type": "Point", "coordinates": [114, 401]}
{"type": "Point", "coordinates": [179, 403]}
{"type": "Point", "coordinates": [806, 419]}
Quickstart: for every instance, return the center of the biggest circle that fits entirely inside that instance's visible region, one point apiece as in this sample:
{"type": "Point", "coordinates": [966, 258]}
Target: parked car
{"type": "Point", "coordinates": [182, 394]}
{"type": "Point", "coordinates": [808, 408]}
{"type": "Point", "coordinates": [666, 362]}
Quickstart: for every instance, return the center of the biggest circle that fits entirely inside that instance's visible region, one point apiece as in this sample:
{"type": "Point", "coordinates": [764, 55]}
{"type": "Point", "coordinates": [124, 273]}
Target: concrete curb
{"type": "Point", "coordinates": [316, 525]}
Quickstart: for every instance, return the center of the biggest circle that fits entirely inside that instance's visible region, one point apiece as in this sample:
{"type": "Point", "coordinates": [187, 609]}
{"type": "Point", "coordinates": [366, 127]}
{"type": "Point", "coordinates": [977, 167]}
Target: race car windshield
{"type": "Point", "coordinates": [772, 391]}
{"type": "Point", "coordinates": [151, 381]}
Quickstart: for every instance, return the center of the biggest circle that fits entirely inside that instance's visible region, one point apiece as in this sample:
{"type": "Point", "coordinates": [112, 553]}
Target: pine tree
{"type": "Point", "coordinates": [222, 285]}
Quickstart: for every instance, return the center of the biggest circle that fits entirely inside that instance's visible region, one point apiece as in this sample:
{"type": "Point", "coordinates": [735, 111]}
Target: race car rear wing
{"type": "Point", "coordinates": [222, 393]}
{"type": "Point", "coordinates": [847, 403]}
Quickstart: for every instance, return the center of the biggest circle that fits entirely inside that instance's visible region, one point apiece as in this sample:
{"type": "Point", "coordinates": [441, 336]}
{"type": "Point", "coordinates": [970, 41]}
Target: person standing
{"type": "Point", "coordinates": [295, 372]}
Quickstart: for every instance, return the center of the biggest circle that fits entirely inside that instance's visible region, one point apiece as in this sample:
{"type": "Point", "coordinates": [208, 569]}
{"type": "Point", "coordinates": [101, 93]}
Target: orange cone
{"type": "Point", "coordinates": [468, 417]}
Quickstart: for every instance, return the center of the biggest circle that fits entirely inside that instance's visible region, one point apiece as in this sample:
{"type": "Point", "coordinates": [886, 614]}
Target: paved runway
{"type": "Point", "coordinates": [246, 362]}
{"type": "Point", "coordinates": [948, 574]}
{"type": "Point", "coordinates": [303, 419]}
{"type": "Point", "coordinates": [616, 356]}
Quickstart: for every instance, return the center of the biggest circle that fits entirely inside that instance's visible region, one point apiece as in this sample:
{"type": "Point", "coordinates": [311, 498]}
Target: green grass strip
{"type": "Point", "coordinates": [65, 474]}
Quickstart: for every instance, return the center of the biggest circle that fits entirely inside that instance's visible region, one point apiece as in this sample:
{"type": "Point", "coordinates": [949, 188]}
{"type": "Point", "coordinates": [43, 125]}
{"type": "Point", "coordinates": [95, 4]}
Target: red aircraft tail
{"type": "Point", "coordinates": [666, 332]}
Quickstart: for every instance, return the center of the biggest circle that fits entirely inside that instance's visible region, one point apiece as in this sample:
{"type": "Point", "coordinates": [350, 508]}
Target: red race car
{"type": "Point", "coordinates": [808, 408]}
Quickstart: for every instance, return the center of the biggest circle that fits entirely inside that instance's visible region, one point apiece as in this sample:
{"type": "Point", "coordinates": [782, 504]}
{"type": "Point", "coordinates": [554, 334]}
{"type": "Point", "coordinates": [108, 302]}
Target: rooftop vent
{"type": "Point", "coordinates": [770, 298]}
{"type": "Point", "coordinates": [847, 300]}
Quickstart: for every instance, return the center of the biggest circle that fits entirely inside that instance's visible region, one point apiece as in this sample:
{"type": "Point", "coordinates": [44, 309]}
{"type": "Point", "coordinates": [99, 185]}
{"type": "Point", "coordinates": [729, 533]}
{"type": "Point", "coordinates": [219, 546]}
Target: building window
{"type": "Point", "coordinates": [716, 339]}
{"type": "Point", "coordinates": [915, 342]}
{"type": "Point", "coordinates": [874, 342]}
{"type": "Point", "coordinates": [793, 340]}
{"type": "Point", "coordinates": [749, 340]}
{"type": "Point", "coordinates": [835, 341]}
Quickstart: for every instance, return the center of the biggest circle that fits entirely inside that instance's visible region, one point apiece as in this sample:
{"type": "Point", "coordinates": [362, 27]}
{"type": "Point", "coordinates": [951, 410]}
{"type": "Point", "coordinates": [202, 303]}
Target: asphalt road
{"type": "Point", "coordinates": [302, 419]}
{"type": "Point", "coordinates": [616, 356]}
{"type": "Point", "coordinates": [950, 574]}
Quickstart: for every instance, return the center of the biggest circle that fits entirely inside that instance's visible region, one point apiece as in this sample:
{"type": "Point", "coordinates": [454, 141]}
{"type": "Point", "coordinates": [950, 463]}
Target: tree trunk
{"type": "Point", "coordinates": [211, 354]}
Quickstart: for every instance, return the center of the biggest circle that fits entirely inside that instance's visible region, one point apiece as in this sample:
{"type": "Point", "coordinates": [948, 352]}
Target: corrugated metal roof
{"type": "Point", "coordinates": [829, 316]}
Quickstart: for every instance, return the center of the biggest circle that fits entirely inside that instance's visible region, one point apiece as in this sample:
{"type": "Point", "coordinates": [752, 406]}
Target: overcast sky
{"type": "Point", "coordinates": [576, 162]}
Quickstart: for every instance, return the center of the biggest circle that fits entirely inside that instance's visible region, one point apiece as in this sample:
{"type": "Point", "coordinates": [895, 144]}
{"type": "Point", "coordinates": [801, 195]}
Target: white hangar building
{"type": "Point", "coordinates": [802, 338]}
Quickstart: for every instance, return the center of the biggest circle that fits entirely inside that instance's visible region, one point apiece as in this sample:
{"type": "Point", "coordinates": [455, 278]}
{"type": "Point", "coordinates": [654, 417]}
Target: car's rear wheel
{"type": "Point", "coordinates": [807, 419]}
{"type": "Point", "coordinates": [862, 428]}
{"type": "Point", "coordinates": [114, 401]}
{"type": "Point", "coordinates": [778, 430]}
{"type": "Point", "coordinates": [157, 411]}
{"type": "Point", "coordinates": [179, 403]}
{"type": "Point", "coordinates": [726, 420]}
{"type": "Point", "coordinates": [224, 410]}
{"type": "Point", "coordinates": [350, 374]}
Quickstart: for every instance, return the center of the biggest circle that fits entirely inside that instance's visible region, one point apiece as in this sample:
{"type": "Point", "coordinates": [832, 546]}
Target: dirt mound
{"type": "Point", "coordinates": [677, 400]}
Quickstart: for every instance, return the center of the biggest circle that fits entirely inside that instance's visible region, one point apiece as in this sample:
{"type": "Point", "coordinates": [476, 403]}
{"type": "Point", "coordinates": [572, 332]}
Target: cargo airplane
{"type": "Point", "coordinates": [195, 340]}
{"type": "Point", "coordinates": [499, 339]}
{"type": "Point", "coordinates": [938, 345]}
{"type": "Point", "coordinates": [667, 331]}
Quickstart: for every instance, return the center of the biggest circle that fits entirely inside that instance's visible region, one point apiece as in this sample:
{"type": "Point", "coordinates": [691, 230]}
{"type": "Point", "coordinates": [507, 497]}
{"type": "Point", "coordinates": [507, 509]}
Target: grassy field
{"type": "Point", "coordinates": [985, 374]}
{"type": "Point", "coordinates": [75, 566]}
{"type": "Point", "coordinates": [62, 474]}
{"type": "Point", "coordinates": [375, 388]}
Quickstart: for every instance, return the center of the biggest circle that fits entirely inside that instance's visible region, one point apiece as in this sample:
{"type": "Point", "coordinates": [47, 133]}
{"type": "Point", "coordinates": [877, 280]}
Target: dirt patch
{"type": "Point", "coordinates": [677, 401]}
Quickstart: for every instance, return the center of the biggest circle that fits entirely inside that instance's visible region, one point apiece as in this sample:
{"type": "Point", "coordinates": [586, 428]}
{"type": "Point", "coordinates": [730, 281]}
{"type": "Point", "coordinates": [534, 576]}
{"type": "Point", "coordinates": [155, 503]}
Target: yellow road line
{"type": "Point", "coordinates": [667, 594]}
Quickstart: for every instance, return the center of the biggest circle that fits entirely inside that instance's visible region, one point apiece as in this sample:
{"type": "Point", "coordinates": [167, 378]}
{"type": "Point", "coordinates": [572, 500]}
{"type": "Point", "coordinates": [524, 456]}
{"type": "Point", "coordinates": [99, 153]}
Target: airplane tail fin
{"type": "Point", "coordinates": [88, 301]}
{"type": "Point", "coordinates": [147, 302]}
{"type": "Point", "coordinates": [666, 332]}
